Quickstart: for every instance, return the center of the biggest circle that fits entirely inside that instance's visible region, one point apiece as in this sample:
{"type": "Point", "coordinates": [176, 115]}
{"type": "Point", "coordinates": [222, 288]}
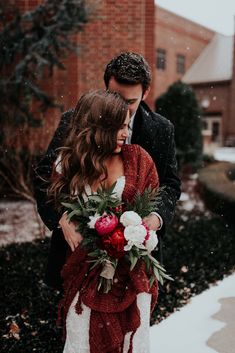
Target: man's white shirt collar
{"type": "Point", "coordinates": [130, 129]}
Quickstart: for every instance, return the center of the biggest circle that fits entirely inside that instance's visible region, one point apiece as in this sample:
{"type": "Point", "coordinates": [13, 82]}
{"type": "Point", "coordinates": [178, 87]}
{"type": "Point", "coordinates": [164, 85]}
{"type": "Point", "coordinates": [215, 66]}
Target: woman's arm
{"type": "Point", "coordinates": [71, 235]}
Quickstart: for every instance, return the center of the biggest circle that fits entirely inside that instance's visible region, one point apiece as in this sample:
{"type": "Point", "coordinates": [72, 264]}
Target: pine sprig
{"type": "Point", "coordinates": [144, 203]}
{"type": "Point", "coordinates": [105, 199]}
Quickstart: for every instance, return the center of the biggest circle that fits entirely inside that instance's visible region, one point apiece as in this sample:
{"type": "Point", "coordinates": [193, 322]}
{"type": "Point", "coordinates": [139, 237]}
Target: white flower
{"type": "Point", "coordinates": [135, 235]}
{"type": "Point", "coordinates": [130, 218]}
{"type": "Point", "coordinates": [152, 241]}
{"type": "Point", "coordinates": [93, 220]}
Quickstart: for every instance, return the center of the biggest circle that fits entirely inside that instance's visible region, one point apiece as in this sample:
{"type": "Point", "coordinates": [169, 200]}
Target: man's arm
{"type": "Point", "coordinates": [42, 175]}
{"type": "Point", "coordinates": [169, 190]}
{"type": "Point", "coordinates": [156, 135]}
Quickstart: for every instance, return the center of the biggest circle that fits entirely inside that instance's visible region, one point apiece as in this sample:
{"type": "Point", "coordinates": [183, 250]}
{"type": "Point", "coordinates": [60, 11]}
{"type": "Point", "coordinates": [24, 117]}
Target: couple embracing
{"type": "Point", "coordinates": [111, 138]}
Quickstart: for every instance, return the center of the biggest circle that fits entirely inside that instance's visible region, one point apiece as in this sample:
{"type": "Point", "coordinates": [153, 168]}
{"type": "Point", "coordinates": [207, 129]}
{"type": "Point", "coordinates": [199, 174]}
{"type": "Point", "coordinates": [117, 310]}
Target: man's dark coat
{"type": "Point", "coordinates": [151, 131]}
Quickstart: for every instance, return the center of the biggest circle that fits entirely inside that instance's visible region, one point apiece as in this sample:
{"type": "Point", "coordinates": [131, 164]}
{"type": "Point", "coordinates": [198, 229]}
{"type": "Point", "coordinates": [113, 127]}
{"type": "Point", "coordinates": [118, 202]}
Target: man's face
{"type": "Point", "coordinates": [133, 94]}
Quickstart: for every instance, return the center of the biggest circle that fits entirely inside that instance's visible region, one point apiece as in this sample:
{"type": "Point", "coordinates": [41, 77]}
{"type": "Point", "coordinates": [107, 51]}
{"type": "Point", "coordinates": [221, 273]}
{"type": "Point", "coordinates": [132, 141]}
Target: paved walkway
{"type": "Point", "coordinates": [205, 325]}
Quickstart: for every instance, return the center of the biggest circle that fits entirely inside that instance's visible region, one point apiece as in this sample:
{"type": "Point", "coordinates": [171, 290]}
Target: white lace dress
{"type": "Point", "coordinates": [77, 326]}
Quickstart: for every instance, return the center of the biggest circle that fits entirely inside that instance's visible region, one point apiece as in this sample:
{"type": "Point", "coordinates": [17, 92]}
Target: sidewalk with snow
{"type": "Point", "coordinates": [205, 325]}
{"type": "Point", "coordinates": [225, 154]}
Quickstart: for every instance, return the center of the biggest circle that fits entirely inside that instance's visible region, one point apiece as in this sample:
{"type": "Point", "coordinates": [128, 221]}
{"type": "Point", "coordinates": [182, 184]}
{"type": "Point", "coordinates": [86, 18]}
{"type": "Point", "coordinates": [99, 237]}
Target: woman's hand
{"type": "Point", "coordinates": [72, 236]}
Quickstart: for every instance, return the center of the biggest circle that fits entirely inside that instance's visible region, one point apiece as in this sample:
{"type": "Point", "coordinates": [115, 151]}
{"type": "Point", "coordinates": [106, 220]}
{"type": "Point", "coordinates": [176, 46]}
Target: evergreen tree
{"type": "Point", "coordinates": [32, 44]}
{"type": "Point", "coordinates": [180, 106]}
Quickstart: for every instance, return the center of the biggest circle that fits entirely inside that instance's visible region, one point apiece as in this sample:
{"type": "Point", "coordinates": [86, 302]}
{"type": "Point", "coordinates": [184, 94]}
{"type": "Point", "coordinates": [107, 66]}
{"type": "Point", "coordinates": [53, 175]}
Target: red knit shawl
{"type": "Point", "coordinates": [115, 313]}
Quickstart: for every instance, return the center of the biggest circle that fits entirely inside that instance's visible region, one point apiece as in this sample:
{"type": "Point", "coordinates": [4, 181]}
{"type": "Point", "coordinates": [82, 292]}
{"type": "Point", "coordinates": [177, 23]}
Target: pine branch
{"type": "Point", "coordinates": [31, 45]}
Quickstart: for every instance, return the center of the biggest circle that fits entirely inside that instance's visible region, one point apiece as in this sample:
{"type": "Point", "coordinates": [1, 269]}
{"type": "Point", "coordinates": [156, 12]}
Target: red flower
{"type": "Point", "coordinates": [118, 209]}
{"type": "Point", "coordinates": [114, 243]}
{"type": "Point", "coordinates": [148, 234]}
{"type": "Point", "coordinates": [106, 224]}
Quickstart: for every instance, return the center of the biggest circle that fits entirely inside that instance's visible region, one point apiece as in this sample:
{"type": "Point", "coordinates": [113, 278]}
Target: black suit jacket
{"type": "Point", "coordinates": [151, 131]}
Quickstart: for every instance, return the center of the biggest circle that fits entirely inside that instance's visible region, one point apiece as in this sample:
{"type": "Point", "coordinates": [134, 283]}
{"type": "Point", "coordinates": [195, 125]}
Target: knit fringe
{"type": "Point", "coordinates": [130, 350]}
{"type": "Point", "coordinates": [78, 306]}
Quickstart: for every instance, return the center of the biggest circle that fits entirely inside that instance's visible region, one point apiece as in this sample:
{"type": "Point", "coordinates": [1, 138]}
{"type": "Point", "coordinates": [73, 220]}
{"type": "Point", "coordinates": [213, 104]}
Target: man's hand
{"type": "Point", "coordinates": [153, 222]}
{"type": "Point", "coordinates": [72, 236]}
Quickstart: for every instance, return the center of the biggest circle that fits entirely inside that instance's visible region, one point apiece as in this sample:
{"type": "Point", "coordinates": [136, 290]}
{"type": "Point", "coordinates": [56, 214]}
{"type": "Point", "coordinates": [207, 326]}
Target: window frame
{"type": "Point", "coordinates": [180, 64]}
{"type": "Point", "coordinates": [161, 59]}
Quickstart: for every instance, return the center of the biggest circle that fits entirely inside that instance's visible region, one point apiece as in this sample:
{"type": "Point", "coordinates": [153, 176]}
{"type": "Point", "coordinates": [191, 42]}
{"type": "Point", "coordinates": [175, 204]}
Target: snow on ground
{"type": "Point", "coordinates": [226, 154]}
{"type": "Point", "coordinates": [190, 199]}
{"type": "Point", "coordinates": [189, 329]}
{"type": "Point", "coordinates": [19, 222]}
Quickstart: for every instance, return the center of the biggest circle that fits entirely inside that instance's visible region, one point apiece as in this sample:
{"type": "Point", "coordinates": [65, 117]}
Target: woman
{"type": "Point", "coordinates": [95, 154]}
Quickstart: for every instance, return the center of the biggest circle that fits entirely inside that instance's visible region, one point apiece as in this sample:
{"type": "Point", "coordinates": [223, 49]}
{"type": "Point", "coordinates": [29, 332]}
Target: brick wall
{"type": "Point", "coordinates": [113, 27]}
{"type": "Point", "coordinates": [218, 96]}
{"type": "Point", "coordinates": [177, 35]}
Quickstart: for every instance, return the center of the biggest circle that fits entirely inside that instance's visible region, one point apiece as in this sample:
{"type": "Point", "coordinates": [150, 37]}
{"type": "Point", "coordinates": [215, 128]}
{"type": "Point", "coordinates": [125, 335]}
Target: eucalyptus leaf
{"type": "Point", "coordinates": [168, 277]}
{"type": "Point", "coordinates": [133, 262]}
{"type": "Point", "coordinates": [156, 273]}
{"type": "Point", "coordinates": [75, 212]}
{"type": "Point", "coordinates": [70, 206]}
{"type": "Point", "coordinates": [151, 281]}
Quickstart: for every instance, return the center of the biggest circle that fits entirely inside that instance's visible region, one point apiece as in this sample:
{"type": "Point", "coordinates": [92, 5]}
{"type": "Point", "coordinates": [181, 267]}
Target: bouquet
{"type": "Point", "coordinates": [112, 230]}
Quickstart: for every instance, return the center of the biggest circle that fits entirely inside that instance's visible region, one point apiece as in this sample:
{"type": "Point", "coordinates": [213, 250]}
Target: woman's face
{"type": "Point", "coordinates": [122, 134]}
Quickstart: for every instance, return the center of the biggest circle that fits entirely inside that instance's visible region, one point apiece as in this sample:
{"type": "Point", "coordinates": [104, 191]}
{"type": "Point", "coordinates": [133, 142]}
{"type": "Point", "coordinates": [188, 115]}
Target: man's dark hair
{"type": "Point", "coordinates": [128, 68]}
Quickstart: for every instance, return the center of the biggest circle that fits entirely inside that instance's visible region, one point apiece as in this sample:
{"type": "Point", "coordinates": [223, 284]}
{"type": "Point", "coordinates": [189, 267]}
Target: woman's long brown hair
{"type": "Point", "coordinates": [92, 138]}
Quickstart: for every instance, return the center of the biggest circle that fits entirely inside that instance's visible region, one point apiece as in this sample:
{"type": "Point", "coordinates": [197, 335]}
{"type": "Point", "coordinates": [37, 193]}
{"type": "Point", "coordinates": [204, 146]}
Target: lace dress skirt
{"type": "Point", "coordinates": [77, 338]}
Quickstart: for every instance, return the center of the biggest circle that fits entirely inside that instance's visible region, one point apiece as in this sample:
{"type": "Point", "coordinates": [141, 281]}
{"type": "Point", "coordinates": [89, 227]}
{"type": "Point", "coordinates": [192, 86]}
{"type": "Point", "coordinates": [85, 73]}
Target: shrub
{"type": "Point", "coordinates": [180, 106]}
{"type": "Point", "coordinates": [33, 44]}
{"type": "Point", "coordinates": [27, 305]}
{"type": "Point", "coordinates": [218, 188]}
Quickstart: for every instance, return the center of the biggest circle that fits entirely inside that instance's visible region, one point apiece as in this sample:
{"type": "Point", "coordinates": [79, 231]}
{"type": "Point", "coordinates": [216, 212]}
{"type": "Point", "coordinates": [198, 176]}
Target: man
{"type": "Point", "coordinates": [129, 75]}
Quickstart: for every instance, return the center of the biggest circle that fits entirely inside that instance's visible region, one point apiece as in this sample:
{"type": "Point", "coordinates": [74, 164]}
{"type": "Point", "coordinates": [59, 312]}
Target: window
{"type": "Point", "coordinates": [180, 64]}
{"type": "Point", "coordinates": [215, 131]}
{"type": "Point", "coordinates": [161, 59]}
{"type": "Point", "coordinates": [205, 125]}
{"type": "Point", "coordinates": [211, 128]}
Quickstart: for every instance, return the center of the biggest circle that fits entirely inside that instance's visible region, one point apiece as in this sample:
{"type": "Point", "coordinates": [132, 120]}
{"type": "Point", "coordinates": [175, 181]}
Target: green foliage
{"type": "Point", "coordinates": [180, 106]}
{"type": "Point", "coordinates": [144, 203]}
{"type": "Point", "coordinates": [79, 211]}
{"type": "Point", "coordinates": [31, 45]}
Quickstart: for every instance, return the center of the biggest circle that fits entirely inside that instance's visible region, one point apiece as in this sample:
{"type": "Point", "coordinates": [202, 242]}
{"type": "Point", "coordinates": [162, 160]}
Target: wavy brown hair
{"type": "Point", "coordinates": [91, 139]}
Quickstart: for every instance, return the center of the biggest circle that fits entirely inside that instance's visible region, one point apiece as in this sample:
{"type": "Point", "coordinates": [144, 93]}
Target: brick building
{"type": "Point", "coordinates": [178, 42]}
{"type": "Point", "coordinates": [169, 42]}
{"type": "Point", "coordinates": [205, 60]}
{"type": "Point", "coordinates": [113, 27]}
{"type": "Point", "coordinates": [212, 77]}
